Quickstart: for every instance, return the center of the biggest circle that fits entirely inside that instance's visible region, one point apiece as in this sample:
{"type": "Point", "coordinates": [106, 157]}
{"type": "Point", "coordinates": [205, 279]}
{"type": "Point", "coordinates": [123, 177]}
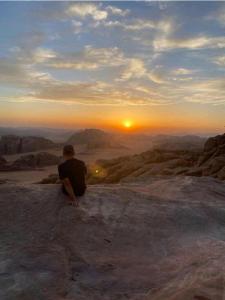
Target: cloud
{"type": "Point", "coordinates": [83, 10]}
{"type": "Point", "coordinates": [135, 68]}
{"type": "Point", "coordinates": [95, 93]}
{"type": "Point", "coordinates": [117, 11]}
{"type": "Point", "coordinates": [88, 59]}
{"type": "Point", "coordinates": [219, 60]}
{"type": "Point", "coordinates": [195, 43]}
{"type": "Point", "coordinates": [164, 26]}
{"type": "Point", "coordinates": [182, 71]}
{"type": "Point", "coordinates": [210, 91]}
{"type": "Point", "coordinates": [96, 58]}
{"type": "Point", "coordinates": [15, 74]}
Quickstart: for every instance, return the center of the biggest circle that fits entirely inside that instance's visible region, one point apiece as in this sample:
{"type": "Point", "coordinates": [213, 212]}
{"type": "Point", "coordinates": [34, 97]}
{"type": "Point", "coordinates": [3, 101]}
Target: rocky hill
{"type": "Point", "coordinates": [162, 239]}
{"type": "Point", "coordinates": [209, 162]}
{"type": "Point", "coordinates": [94, 139]}
{"type": "Point", "coordinates": [29, 162]}
{"type": "Point", "coordinates": [12, 144]}
{"type": "Point", "coordinates": [176, 143]}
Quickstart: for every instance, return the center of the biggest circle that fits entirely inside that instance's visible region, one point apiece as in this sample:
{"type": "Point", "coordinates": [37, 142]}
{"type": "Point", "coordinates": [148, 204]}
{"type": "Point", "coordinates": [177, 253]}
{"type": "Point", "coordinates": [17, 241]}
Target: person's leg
{"type": "Point", "coordinates": [64, 190]}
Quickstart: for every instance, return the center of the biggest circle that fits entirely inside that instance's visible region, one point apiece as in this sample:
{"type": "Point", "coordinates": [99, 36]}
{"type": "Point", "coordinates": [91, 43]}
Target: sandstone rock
{"type": "Point", "coordinates": [41, 159]}
{"type": "Point", "coordinates": [162, 239]}
{"type": "Point", "coordinates": [51, 179]}
{"type": "Point", "coordinates": [195, 172]}
{"type": "Point", "coordinates": [2, 161]}
{"type": "Point", "coordinates": [212, 159]}
{"type": "Point", "coordinates": [221, 174]}
{"type": "Point", "coordinates": [12, 144]}
{"type": "Point", "coordinates": [155, 162]}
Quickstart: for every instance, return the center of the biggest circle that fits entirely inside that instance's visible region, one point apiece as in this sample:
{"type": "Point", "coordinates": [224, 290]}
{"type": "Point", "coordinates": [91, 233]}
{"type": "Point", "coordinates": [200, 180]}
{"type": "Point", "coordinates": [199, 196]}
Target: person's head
{"type": "Point", "coordinates": [68, 151]}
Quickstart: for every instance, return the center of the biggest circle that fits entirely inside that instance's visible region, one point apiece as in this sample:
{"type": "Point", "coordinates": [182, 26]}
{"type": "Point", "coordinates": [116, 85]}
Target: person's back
{"type": "Point", "coordinates": [75, 170]}
{"type": "Point", "coordinates": [72, 174]}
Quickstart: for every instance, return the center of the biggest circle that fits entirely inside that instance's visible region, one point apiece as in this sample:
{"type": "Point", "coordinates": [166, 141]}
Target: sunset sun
{"type": "Point", "coordinates": [127, 123]}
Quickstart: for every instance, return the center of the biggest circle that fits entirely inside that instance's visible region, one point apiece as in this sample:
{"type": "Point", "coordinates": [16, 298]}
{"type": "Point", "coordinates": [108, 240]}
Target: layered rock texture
{"type": "Point", "coordinates": [12, 144]}
{"type": "Point", "coordinates": [212, 160]}
{"type": "Point", "coordinates": [209, 162]}
{"type": "Point", "coordinates": [158, 239]}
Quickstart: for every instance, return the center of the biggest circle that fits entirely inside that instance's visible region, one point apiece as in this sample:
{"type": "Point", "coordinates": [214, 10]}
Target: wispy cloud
{"type": "Point", "coordinates": [83, 10]}
{"type": "Point", "coordinates": [182, 71]}
{"type": "Point", "coordinates": [219, 60]}
{"type": "Point", "coordinates": [195, 43]}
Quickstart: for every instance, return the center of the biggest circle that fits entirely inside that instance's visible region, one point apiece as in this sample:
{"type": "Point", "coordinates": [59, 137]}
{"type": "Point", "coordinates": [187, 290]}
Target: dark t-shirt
{"type": "Point", "coordinates": [75, 170]}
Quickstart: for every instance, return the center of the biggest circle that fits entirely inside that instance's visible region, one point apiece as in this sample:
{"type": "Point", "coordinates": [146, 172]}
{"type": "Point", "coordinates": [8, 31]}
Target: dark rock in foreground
{"type": "Point", "coordinates": [158, 240]}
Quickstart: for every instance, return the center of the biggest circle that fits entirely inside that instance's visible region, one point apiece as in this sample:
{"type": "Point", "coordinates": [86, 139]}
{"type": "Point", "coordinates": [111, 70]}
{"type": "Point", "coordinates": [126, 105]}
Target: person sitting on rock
{"type": "Point", "coordinates": [72, 175]}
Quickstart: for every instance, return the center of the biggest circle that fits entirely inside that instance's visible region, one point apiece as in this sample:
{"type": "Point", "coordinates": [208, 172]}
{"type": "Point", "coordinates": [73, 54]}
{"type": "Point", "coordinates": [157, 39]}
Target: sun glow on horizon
{"type": "Point", "coordinates": [127, 124]}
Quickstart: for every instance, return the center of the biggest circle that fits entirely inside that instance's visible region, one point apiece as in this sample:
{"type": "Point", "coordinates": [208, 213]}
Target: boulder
{"type": "Point", "coordinates": [41, 159]}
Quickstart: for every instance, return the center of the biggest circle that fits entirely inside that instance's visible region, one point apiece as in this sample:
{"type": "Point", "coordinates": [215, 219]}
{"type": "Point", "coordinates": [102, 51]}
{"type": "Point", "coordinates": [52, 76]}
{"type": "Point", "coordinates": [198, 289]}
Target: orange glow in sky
{"type": "Point", "coordinates": [127, 123]}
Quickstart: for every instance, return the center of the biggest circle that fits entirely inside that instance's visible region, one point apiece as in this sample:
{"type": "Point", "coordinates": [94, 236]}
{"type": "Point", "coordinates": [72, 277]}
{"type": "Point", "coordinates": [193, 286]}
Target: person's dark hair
{"type": "Point", "coordinates": [68, 150]}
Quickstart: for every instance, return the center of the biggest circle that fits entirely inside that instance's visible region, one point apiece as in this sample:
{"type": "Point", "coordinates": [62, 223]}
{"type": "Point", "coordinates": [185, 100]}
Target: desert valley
{"type": "Point", "coordinates": [151, 225]}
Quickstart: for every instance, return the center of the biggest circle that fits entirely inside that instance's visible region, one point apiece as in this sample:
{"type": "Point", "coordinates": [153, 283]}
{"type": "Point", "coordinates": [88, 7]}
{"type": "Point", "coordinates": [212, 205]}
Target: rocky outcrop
{"type": "Point", "coordinates": [154, 162]}
{"type": "Point", "coordinates": [31, 161]}
{"type": "Point", "coordinates": [93, 139]}
{"type": "Point", "coordinates": [212, 161]}
{"type": "Point", "coordinates": [209, 162]}
{"type": "Point", "coordinates": [174, 143]}
{"type": "Point", "coordinates": [162, 239]}
{"type": "Point", "coordinates": [12, 144]}
{"type": "Point", "coordinates": [41, 159]}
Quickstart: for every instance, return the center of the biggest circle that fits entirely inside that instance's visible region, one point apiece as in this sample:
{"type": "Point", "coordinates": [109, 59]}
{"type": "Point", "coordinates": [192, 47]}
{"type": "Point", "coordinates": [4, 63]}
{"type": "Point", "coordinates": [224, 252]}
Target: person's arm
{"type": "Point", "coordinates": [67, 184]}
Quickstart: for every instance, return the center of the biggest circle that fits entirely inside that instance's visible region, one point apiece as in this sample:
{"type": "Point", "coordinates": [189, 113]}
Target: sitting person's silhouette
{"type": "Point", "coordinates": [72, 174]}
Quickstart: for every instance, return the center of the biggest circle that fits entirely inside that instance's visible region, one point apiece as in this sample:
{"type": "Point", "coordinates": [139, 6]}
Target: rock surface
{"type": "Point", "coordinates": [212, 160]}
{"type": "Point", "coordinates": [41, 159]}
{"type": "Point", "coordinates": [153, 162]}
{"type": "Point", "coordinates": [12, 144]}
{"type": "Point", "coordinates": [174, 143]}
{"type": "Point", "coordinates": [2, 161]}
{"type": "Point", "coordinates": [209, 162]}
{"type": "Point", "coordinates": [31, 162]}
{"type": "Point", "coordinates": [160, 239]}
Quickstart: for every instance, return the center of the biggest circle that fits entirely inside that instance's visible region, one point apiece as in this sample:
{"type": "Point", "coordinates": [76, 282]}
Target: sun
{"type": "Point", "coordinates": [127, 123]}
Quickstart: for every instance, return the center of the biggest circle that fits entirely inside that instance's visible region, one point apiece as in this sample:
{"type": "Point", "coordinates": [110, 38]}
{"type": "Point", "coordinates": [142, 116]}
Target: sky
{"type": "Point", "coordinates": [155, 66]}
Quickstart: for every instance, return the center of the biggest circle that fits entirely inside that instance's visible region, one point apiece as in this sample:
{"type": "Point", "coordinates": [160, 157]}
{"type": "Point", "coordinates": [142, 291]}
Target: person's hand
{"type": "Point", "coordinates": [74, 202]}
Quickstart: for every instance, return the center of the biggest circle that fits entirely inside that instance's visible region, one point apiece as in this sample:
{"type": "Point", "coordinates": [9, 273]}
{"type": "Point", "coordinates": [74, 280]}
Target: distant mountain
{"type": "Point", "coordinates": [54, 134]}
{"type": "Point", "coordinates": [170, 142]}
{"type": "Point", "coordinates": [13, 144]}
{"type": "Point", "coordinates": [94, 139]}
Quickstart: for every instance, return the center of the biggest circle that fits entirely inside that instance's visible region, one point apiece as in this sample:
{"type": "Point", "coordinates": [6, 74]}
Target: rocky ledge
{"type": "Point", "coordinates": [159, 239]}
